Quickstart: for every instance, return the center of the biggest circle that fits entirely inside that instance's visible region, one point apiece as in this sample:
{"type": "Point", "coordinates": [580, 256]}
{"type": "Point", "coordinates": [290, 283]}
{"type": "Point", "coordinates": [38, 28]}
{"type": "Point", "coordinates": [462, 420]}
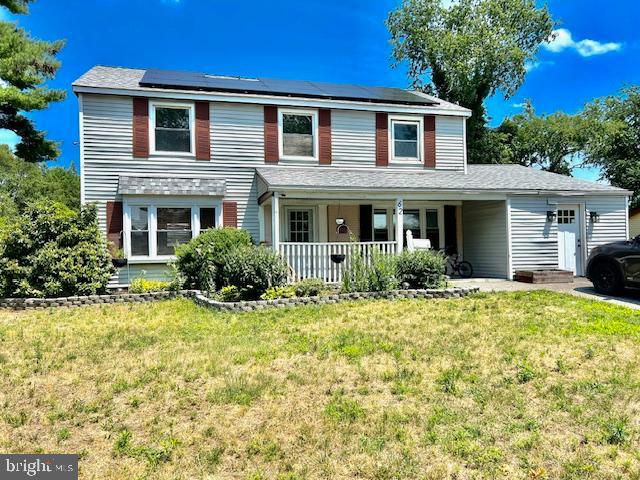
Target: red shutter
{"type": "Point", "coordinates": [203, 137]}
{"type": "Point", "coordinates": [271, 154]}
{"type": "Point", "coordinates": [140, 127]}
{"type": "Point", "coordinates": [114, 223]}
{"type": "Point", "coordinates": [229, 214]}
{"type": "Point", "coordinates": [382, 140]}
{"type": "Point", "coordinates": [324, 136]}
{"type": "Point", "coordinates": [430, 141]}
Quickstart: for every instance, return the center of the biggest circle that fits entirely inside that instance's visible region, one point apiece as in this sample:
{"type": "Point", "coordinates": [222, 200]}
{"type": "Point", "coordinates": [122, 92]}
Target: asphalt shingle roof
{"type": "Point", "coordinates": [120, 78]}
{"type": "Point", "coordinates": [170, 186]}
{"type": "Point", "coordinates": [492, 178]}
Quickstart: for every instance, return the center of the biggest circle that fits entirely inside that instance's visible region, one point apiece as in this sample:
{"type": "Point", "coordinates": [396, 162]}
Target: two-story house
{"type": "Point", "coordinates": [310, 167]}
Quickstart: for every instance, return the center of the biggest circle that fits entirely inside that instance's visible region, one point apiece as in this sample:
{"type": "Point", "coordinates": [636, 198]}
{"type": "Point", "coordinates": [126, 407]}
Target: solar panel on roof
{"type": "Point", "coordinates": [199, 81]}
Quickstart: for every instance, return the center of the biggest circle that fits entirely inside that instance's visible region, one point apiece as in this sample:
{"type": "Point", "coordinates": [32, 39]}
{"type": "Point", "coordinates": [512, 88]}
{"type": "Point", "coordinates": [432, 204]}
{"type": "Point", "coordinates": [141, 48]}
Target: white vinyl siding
{"type": "Point", "coordinates": [484, 237]}
{"type": "Point", "coordinates": [450, 143]}
{"type": "Point", "coordinates": [534, 240]}
{"type": "Point", "coordinates": [237, 148]}
{"type": "Point", "coordinates": [613, 220]}
{"type": "Point", "coordinates": [353, 136]}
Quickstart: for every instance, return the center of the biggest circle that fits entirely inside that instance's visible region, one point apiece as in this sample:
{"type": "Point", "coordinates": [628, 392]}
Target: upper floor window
{"type": "Point", "coordinates": [172, 128]}
{"type": "Point", "coordinates": [298, 134]}
{"type": "Point", "coordinates": [405, 140]}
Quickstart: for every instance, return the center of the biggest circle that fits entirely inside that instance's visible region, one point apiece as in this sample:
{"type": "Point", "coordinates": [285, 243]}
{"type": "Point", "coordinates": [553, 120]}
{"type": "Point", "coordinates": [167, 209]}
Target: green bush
{"type": "Point", "coordinates": [230, 293]}
{"type": "Point", "coordinates": [200, 261]}
{"type": "Point", "coordinates": [273, 293]}
{"type": "Point", "coordinates": [309, 287]}
{"type": "Point", "coordinates": [421, 268]}
{"type": "Point", "coordinates": [377, 276]}
{"type": "Point", "coordinates": [53, 251]}
{"type": "Point", "coordinates": [382, 272]}
{"type": "Point", "coordinates": [142, 285]}
{"type": "Point", "coordinates": [253, 270]}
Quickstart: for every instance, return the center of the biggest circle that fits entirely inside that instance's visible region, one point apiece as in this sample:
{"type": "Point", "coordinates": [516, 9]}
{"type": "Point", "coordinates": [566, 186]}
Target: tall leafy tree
{"type": "Point", "coordinates": [552, 142]}
{"type": "Point", "coordinates": [614, 139]}
{"type": "Point", "coordinates": [469, 51]}
{"type": "Point", "coordinates": [25, 65]}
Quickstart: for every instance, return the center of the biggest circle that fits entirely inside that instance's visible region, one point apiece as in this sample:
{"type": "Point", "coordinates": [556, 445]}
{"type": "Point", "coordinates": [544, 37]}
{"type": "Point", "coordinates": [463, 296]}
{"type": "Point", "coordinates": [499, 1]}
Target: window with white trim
{"type": "Point", "coordinates": [405, 140]}
{"type": "Point", "coordinates": [298, 134]}
{"type": "Point", "coordinates": [172, 128]}
{"type": "Point", "coordinates": [155, 230]}
{"type": "Point", "coordinates": [300, 223]}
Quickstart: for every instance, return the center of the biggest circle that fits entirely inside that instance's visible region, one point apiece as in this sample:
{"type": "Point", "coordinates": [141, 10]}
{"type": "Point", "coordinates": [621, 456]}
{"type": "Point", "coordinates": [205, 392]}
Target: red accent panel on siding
{"type": "Point", "coordinates": [324, 136]}
{"type": "Point", "coordinates": [382, 140]}
{"type": "Point", "coordinates": [229, 214]}
{"type": "Point", "coordinates": [430, 141]}
{"type": "Point", "coordinates": [114, 223]}
{"type": "Point", "coordinates": [203, 136]}
{"type": "Point", "coordinates": [271, 153]}
{"type": "Point", "coordinates": [140, 127]}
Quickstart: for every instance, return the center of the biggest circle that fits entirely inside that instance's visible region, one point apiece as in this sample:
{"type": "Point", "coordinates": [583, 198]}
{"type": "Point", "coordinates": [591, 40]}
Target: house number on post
{"type": "Point", "coordinates": [400, 207]}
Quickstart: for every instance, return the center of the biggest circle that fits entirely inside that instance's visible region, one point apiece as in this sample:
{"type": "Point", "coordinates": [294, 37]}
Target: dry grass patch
{"type": "Point", "coordinates": [521, 385]}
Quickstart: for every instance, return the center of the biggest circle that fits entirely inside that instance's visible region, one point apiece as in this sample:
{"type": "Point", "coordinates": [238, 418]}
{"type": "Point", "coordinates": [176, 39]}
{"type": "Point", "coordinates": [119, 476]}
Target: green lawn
{"type": "Point", "coordinates": [519, 385]}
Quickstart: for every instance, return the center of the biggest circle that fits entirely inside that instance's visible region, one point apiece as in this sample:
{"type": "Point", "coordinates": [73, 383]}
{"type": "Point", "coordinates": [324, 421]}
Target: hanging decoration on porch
{"type": "Point", "coordinates": [342, 227]}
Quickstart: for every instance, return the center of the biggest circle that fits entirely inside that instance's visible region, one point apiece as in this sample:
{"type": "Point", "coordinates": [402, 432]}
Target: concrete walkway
{"type": "Point", "coordinates": [580, 287]}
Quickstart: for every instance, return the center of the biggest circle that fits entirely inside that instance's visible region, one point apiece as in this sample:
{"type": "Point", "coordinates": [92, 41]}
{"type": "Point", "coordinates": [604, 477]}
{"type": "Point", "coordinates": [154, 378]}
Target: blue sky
{"type": "Point", "coordinates": [596, 53]}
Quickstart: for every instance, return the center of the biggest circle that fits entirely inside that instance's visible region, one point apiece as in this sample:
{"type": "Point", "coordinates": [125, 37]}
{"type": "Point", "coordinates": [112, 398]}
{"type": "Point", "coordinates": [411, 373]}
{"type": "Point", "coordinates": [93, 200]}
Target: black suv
{"type": "Point", "coordinates": [613, 266]}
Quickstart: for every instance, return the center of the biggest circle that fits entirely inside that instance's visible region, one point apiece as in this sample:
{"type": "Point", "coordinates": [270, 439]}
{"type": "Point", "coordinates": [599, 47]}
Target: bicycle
{"type": "Point", "coordinates": [455, 266]}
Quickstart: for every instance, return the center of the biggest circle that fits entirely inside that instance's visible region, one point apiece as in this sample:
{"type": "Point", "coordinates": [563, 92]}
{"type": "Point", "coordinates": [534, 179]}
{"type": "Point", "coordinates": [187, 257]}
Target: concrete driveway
{"type": "Point", "coordinates": [580, 287]}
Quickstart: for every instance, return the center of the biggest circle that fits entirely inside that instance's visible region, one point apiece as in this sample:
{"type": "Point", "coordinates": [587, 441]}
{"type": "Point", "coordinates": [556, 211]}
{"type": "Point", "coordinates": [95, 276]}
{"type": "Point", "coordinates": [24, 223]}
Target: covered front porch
{"type": "Point", "coordinates": [318, 228]}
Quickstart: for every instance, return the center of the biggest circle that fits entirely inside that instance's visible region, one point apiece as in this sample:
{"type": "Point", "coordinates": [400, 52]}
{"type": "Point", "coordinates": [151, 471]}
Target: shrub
{"type": "Point", "coordinates": [230, 293]}
{"type": "Point", "coordinates": [253, 270]}
{"type": "Point", "coordinates": [355, 277]}
{"type": "Point", "coordinates": [53, 251]}
{"type": "Point", "coordinates": [421, 268]}
{"type": "Point", "coordinates": [142, 285]}
{"type": "Point", "coordinates": [382, 272]}
{"type": "Point", "coordinates": [201, 260]}
{"type": "Point", "coordinates": [309, 287]}
{"type": "Point", "coordinates": [288, 291]}
{"type": "Point", "coordinates": [378, 276]}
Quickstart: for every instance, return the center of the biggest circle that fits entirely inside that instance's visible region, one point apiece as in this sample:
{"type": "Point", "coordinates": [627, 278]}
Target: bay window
{"type": "Point", "coordinates": [155, 229]}
{"type": "Point", "coordinates": [173, 229]}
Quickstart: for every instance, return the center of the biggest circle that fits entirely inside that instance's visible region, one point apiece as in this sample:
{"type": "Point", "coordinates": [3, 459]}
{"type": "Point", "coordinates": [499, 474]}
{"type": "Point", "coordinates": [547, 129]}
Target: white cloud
{"type": "Point", "coordinates": [587, 48]}
{"type": "Point", "coordinates": [518, 105]}
{"type": "Point", "coordinates": [537, 64]}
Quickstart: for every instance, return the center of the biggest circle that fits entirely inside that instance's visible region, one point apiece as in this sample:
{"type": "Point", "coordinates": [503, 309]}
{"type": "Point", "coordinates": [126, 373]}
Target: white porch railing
{"type": "Point", "coordinates": [313, 260]}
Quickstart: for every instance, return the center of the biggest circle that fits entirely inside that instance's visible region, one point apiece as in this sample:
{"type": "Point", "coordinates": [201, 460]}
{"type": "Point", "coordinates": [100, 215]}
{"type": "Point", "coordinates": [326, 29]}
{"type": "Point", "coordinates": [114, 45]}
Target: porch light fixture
{"type": "Point", "coordinates": [594, 216]}
{"type": "Point", "coordinates": [339, 221]}
{"type": "Point", "coordinates": [551, 215]}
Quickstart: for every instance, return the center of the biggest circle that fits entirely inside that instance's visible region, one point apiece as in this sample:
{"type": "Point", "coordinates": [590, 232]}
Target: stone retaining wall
{"type": "Point", "coordinates": [76, 301]}
{"type": "Point", "coordinates": [201, 299]}
{"type": "Point", "coordinates": [248, 306]}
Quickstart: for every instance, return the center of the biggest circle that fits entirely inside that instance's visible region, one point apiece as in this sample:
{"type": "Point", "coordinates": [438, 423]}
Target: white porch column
{"type": "Point", "coordinates": [261, 226]}
{"type": "Point", "coordinates": [399, 224]}
{"type": "Point", "coordinates": [275, 221]}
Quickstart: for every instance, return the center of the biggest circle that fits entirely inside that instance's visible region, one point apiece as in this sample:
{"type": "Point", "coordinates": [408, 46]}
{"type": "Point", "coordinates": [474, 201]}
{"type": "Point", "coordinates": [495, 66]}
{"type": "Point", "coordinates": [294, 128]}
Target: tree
{"type": "Point", "coordinates": [614, 139]}
{"type": "Point", "coordinates": [470, 51]}
{"type": "Point", "coordinates": [551, 142]}
{"type": "Point", "coordinates": [25, 64]}
{"type": "Point", "coordinates": [22, 183]}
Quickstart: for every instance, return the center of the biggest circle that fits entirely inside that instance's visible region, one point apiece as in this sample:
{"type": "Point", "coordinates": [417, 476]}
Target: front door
{"type": "Point", "coordinates": [569, 239]}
